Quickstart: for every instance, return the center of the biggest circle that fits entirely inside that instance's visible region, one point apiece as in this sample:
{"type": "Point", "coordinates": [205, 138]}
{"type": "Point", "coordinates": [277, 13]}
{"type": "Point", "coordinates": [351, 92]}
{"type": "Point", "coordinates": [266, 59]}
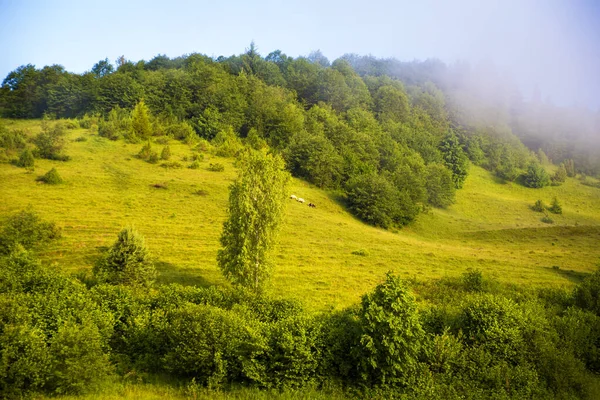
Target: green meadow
{"type": "Point", "coordinates": [325, 257]}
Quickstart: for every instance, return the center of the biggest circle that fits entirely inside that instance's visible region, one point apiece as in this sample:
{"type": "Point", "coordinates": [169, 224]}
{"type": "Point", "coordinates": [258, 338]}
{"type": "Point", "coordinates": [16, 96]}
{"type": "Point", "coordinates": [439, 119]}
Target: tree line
{"type": "Point", "coordinates": [393, 147]}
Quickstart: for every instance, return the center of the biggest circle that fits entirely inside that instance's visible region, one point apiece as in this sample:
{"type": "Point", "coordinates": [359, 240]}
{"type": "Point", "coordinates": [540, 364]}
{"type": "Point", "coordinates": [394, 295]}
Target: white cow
{"type": "Point", "coordinates": [300, 200]}
{"type": "Point", "coordinates": [293, 197]}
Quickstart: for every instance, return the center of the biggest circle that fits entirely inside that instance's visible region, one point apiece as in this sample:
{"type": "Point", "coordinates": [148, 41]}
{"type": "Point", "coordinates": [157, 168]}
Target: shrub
{"type": "Point", "coordinates": [227, 143]}
{"type": "Point", "coordinates": [538, 206]}
{"type": "Point", "coordinates": [127, 261]}
{"type": "Point", "coordinates": [180, 130]}
{"type": "Point", "coordinates": [587, 293]}
{"type": "Point", "coordinates": [153, 158]}
{"type": "Point", "coordinates": [195, 165]}
{"type": "Point", "coordinates": [216, 167]}
{"type": "Point", "coordinates": [145, 152]}
{"type": "Point", "coordinates": [213, 345]}
{"type": "Point", "coordinates": [71, 124]}
{"type": "Point", "coordinates": [536, 176]}
{"type": "Point", "coordinates": [108, 129]}
{"type": "Point", "coordinates": [555, 207]}
{"type": "Point", "coordinates": [12, 139]}
{"type": "Point", "coordinates": [547, 220]}
{"type": "Point", "coordinates": [473, 280]}
{"type": "Point", "coordinates": [495, 323]}
{"type": "Point", "coordinates": [162, 185]}
{"type": "Point", "coordinates": [78, 361]}
{"type": "Point", "coordinates": [391, 334]}
{"type": "Point", "coordinates": [81, 139]}
{"type": "Point", "coordinates": [172, 164]}
{"type": "Point", "coordinates": [26, 229]}
{"type": "Point", "coordinates": [26, 160]}
{"type": "Point", "coordinates": [51, 141]}
{"type": "Point", "coordinates": [25, 363]}
{"type": "Point", "coordinates": [166, 153]}
{"type": "Point", "coordinates": [360, 252]}
{"type": "Point", "coordinates": [51, 177]}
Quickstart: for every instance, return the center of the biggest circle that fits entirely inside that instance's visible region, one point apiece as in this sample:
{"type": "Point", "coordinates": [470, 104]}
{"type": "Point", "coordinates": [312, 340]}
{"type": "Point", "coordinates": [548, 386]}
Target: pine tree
{"type": "Point", "coordinates": [166, 153]}
{"type": "Point", "coordinates": [560, 176]}
{"type": "Point", "coordinates": [127, 261]}
{"type": "Point", "coordinates": [140, 121]}
{"type": "Point", "coordinates": [256, 201]}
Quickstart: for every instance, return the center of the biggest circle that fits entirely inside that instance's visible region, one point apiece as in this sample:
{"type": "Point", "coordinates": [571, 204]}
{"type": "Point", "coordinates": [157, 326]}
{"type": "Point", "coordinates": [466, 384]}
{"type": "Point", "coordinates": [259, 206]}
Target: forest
{"type": "Point", "coordinates": [389, 141]}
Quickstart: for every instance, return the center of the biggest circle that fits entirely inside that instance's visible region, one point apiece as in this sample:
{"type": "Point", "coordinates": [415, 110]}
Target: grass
{"type": "Point", "coordinates": [325, 257]}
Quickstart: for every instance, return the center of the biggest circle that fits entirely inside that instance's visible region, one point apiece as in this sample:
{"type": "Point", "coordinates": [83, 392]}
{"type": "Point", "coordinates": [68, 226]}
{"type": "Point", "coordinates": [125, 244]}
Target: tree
{"type": "Point", "coordinates": [439, 185]}
{"type": "Point", "coordinates": [127, 261]}
{"type": "Point", "coordinates": [560, 176]}
{"type": "Point", "coordinates": [102, 68]}
{"type": "Point", "coordinates": [392, 335]}
{"type": "Point", "coordinates": [536, 176]}
{"type": "Point", "coordinates": [256, 201]}
{"type": "Point", "coordinates": [455, 159]}
{"type": "Point", "coordinates": [140, 121]}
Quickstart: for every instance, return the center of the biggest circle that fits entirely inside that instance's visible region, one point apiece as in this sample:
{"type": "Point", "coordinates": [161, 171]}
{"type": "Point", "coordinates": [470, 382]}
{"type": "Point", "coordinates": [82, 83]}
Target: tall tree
{"type": "Point", "coordinates": [256, 201]}
{"type": "Point", "coordinates": [455, 159]}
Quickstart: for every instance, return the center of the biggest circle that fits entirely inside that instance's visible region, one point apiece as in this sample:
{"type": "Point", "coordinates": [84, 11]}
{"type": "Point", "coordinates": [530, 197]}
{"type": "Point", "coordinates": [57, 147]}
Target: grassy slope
{"type": "Point", "coordinates": [490, 227]}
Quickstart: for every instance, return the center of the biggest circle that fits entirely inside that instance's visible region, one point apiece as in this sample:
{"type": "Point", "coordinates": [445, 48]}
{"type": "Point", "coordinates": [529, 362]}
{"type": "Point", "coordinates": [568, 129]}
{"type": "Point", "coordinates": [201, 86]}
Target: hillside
{"type": "Point", "coordinates": [490, 227]}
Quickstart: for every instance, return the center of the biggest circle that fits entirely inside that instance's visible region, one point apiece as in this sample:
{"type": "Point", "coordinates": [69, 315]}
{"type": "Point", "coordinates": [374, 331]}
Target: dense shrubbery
{"type": "Point", "coordinates": [472, 339]}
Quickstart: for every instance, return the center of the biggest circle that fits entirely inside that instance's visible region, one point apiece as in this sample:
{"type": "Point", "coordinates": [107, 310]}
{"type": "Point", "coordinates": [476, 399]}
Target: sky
{"type": "Point", "coordinates": [551, 44]}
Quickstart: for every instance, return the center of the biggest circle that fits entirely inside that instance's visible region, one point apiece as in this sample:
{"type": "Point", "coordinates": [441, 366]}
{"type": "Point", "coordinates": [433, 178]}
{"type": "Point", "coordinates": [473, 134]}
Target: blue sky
{"type": "Point", "coordinates": [551, 43]}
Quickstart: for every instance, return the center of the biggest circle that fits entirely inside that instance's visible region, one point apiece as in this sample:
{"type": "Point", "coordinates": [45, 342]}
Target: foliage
{"type": "Point", "coordinates": [439, 185]}
{"type": "Point", "coordinates": [145, 151]}
{"type": "Point", "coordinates": [26, 229]}
{"type": "Point", "coordinates": [52, 177]}
{"type": "Point", "coordinates": [256, 201]}
{"type": "Point", "coordinates": [376, 201]}
{"type": "Point", "coordinates": [560, 176]}
{"type": "Point", "coordinates": [538, 206]}
{"type": "Point", "coordinates": [165, 153]}
{"type": "Point", "coordinates": [216, 167]}
{"type": "Point", "coordinates": [140, 121]}
{"type": "Point", "coordinates": [26, 160]}
{"type": "Point", "coordinates": [555, 207]}
{"type": "Point", "coordinates": [547, 220]}
{"type": "Point", "coordinates": [455, 159]}
{"type": "Point", "coordinates": [50, 142]}
{"type": "Point", "coordinates": [127, 261]}
{"type": "Point", "coordinates": [587, 294]}
{"type": "Point", "coordinates": [392, 336]}
{"type": "Point", "coordinates": [536, 176]}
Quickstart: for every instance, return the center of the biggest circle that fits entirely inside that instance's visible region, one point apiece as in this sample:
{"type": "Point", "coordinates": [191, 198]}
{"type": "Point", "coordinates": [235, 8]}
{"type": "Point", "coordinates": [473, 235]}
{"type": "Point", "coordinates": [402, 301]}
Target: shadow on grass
{"type": "Point", "coordinates": [573, 276]}
{"type": "Point", "coordinates": [169, 273]}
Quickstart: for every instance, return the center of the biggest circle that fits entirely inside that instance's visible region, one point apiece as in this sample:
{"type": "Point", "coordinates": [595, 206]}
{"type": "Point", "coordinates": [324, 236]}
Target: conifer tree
{"type": "Point", "coordinates": [140, 121]}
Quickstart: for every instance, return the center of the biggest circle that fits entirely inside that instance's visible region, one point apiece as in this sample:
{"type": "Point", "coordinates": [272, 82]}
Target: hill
{"type": "Point", "coordinates": [325, 257]}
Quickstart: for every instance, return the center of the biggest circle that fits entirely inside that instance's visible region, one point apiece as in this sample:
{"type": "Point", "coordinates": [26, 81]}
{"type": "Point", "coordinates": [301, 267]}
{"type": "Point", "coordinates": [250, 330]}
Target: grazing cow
{"type": "Point", "coordinates": [300, 200]}
{"type": "Point", "coordinates": [312, 205]}
{"type": "Point", "coordinates": [293, 197]}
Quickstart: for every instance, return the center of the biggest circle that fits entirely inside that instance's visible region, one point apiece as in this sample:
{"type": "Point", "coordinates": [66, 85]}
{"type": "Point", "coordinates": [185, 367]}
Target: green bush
{"type": "Point", "coordinates": [79, 363]}
{"type": "Point", "coordinates": [51, 141]}
{"type": "Point", "coordinates": [214, 346]}
{"type": "Point", "coordinates": [153, 158]}
{"type": "Point", "coordinates": [180, 130]}
{"type": "Point", "coordinates": [547, 220]}
{"type": "Point", "coordinates": [26, 160]}
{"type": "Point", "coordinates": [536, 176]}
{"type": "Point", "coordinates": [555, 207]}
{"type": "Point", "coordinates": [12, 139]}
{"type": "Point", "coordinates": [166, 153]}
{"type": "Point", "coordinates": [25, 362]}
{"type": "Point", "coordinates": [172, 164]}
{"type": "Point", "coordinates": [587, 293]}
{"type": "Point", "coordinates": [26, 229]}
{"type": "Point", "coordinates": [146, 151]}
{"type": "Point", "coordinates": [473, 280]}
{"type": "Point", "coordinates": [216, 167]}
{"type": "Point", "coordinates": [127, 261]}
{"type": "Point", "coordinates": [51, 177]}
{"type": "Point", "coordinates": [538, 206]}
{"type": "Point", "coordinates": [392, 336]}
{"type": "Point", "coordinates": [195, 165]}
